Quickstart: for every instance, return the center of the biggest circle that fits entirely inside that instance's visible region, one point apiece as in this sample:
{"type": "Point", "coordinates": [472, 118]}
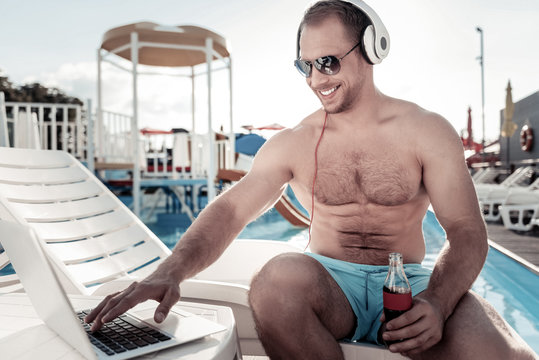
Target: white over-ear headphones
{"type": "Point", "coordinates": [375, 37]}
{"type": "Point", "coordinates": [375, 42]}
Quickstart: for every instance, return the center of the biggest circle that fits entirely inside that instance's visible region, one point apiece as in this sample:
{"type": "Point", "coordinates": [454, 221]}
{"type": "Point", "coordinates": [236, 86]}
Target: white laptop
{"type": "Point", "coordinates": [54, 308]}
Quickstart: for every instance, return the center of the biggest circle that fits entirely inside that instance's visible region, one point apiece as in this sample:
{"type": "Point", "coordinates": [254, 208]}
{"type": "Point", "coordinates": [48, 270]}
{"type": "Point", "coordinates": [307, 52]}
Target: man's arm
{"type": "Point", "coordinates": [452, 195]}
{"type": "Point", "coordinates": [206, 239]}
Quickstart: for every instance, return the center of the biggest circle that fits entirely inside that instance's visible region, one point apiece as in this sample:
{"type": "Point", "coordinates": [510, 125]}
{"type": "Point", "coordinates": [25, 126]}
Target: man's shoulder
{"type": "Point", "coordinates": [416, 116]}
{"type": "Point", "coordinates": [312, 121]}
{"type": "Point", "coordinates": [307, 127]}
{"type": "Point", "coordinates": [412, 110]}
{"type": "Point", "coordinates": [300, 133]}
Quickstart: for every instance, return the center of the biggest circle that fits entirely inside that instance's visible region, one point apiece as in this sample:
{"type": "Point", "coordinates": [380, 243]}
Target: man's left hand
{"type": "Point", "coordinates": [419, 328]}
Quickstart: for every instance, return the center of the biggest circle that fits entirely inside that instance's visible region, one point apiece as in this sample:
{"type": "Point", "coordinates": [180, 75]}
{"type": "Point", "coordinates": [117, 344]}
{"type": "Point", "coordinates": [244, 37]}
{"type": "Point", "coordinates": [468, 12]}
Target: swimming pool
{"type": "Point", "coordinates": [511, 288]}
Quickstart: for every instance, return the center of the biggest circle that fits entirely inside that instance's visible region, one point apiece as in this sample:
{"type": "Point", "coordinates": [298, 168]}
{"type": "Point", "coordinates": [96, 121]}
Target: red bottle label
{"type": "Point", "coordinates": [394, 301]}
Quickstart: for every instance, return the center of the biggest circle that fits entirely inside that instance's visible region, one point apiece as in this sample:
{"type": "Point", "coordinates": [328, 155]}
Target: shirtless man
{"type": "Point", "coordinates": [380, 162]}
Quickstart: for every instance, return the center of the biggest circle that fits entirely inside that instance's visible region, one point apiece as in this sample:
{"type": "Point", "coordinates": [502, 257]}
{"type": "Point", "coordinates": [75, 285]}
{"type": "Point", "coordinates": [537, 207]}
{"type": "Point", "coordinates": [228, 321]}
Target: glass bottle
{"type": "Point", "coordinates": [397, 294]}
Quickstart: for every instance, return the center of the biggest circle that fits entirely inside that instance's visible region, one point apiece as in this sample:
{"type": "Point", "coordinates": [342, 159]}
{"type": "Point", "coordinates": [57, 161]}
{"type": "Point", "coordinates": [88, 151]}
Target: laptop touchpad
{"type": "Point", "coordinates": [179, 325]}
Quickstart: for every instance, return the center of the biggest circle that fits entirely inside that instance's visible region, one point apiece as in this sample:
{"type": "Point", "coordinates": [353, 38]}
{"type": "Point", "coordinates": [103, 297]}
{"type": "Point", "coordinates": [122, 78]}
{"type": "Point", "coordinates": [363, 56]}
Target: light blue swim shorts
{"type": "Point", "coordinates": [363, 286]}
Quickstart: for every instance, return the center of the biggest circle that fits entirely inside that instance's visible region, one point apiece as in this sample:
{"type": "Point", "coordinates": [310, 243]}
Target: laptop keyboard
{"type": "Point", "coordinates": [122, 334]}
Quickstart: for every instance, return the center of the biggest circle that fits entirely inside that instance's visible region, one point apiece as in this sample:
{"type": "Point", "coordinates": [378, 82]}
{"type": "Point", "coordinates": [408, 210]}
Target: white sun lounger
{"type": "Point", "coordinates": [520, 210]}
{"type": "Point", "coordinates": [497, 197]}
{"type": "Point", "coordinates": [90, 235]}
{"type": "Point", "coordinates": [488, 175]}
{"type": "Point", "coordinates": [491, 196]}
{"type": "Point", "coordinates": [92, 239]}
{"type": "Point", "coordinates": [483, 189]}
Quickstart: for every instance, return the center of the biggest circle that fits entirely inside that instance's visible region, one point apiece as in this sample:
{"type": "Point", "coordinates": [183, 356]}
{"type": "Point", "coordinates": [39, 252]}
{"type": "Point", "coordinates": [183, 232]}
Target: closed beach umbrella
{"type": "Point", "coordinates": [249, 144]}
{"type": "Point", "coordinates": [508, 127]}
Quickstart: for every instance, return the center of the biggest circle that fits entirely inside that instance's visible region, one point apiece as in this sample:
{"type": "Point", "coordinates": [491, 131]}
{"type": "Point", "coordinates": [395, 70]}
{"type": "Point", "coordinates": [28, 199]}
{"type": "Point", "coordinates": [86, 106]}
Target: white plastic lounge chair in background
{"type": "Point", "coordinates": [478, 173]}
{"type": "Point", "coordinates": [93, 239]}
{"type": "Point", "coordinates": [497, 197]}
{"type": "Point", "coordinates": [520, 210]}
{"type": "Point", "coordinates": [520, 177]}
{"type": "Point", "coordinates": [488, 175]}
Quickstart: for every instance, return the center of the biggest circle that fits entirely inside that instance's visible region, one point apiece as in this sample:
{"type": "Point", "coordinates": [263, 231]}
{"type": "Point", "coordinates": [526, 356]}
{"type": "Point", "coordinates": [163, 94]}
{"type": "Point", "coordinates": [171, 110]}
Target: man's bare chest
{"type": "Point", "coordinates": [385, 178]}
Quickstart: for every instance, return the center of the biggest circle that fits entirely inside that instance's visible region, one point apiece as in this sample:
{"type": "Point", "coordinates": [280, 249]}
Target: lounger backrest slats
{"type": "Point", "coordinates": [487, 176]}
{"type": "Point", "coordinates": [95, 247]}
{"type": "Point", "coordinates": [114, 266]}
{"type": "Point", "coordinates": [83, 228]}
{"type": "Point", "coordinates": [12, 157]}
{"type": "Point", "coordinates": [10, 283]}
{"type": "Point", "coordinates": [534, 185]}
{"type": "Point", "coordinates": [67, 210]}
{"type": "Point", "coordinates": [50, 193]}
{"type": "Point", "coordinates": [91, 237]}
{"type": "Point", "coordinates": [517, 175]}
{"type": "Point", "coordinates": [479, 174]}
{"type": "Point", "coordinates": [25, 176]}
{"type": "Point", "coordinates": [4, 260]}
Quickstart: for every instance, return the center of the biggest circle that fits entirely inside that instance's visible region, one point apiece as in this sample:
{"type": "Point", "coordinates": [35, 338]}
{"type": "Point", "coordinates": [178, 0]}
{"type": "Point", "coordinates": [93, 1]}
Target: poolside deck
{"type": "Point", "coordinates": [524, 245]}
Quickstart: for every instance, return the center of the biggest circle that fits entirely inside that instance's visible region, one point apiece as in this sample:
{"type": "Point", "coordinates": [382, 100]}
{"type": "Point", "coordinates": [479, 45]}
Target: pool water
{"type": "Point", "coordinates": [510, 287]}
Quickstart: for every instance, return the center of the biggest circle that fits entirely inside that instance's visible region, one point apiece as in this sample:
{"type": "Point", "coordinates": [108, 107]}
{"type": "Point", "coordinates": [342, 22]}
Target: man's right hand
{"type": "Point", "coordinates": [421, 327]}
{"type": "Point", "coordinates": [156, 287]}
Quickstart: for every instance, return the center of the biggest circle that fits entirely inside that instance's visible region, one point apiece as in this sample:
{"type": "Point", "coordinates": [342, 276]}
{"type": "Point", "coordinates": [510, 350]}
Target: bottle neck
{"type": "Point", "coordinates": [396, 280]}
{"type": "Point", "coordinates": [395, 261]}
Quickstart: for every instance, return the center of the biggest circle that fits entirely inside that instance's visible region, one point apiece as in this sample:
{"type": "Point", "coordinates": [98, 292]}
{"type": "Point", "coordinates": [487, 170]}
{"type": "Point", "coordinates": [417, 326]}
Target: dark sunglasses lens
{"type": "Point", "coordinates": [304, 67]}
{"type": "Point", "coordinates": [328, 65]}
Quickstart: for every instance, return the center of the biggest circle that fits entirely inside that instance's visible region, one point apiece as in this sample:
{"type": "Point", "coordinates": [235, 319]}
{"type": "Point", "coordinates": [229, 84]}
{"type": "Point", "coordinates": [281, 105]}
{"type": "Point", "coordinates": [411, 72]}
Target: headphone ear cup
{"type": "Point", "coordinates": [368, 45]}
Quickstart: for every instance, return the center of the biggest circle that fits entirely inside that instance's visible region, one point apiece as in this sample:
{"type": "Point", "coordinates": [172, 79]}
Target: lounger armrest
{"type": "Point", "coordinates": [112, 287]}
{"type": "Point", "coordinates": [203, 289]}
{"type": "Point", "coordinates": [215, 291]}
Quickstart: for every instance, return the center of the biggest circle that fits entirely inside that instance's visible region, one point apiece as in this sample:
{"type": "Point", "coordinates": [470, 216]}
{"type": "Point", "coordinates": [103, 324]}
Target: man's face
{"type": "Point", "coordinates": [339, 92]}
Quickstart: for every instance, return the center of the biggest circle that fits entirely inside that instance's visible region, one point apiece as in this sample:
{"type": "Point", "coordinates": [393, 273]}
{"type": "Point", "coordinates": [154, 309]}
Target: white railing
{"type": "Point", "coordinates": [60, 126]}
{"type": "Point", "coordinates": [113, 139]}
{"type": "Point", "coordinates": [183, 155]}
{"type": "Point", "coordinates": [66, 127]}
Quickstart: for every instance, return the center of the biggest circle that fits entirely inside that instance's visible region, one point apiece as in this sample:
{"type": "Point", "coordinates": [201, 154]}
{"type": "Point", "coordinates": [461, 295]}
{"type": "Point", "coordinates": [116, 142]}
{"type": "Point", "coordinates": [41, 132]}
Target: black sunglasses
{"type": "Point", "coordinates": [328, 65]}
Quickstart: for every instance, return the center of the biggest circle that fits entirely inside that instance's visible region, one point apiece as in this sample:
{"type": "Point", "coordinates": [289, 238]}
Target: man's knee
{"type": "Point", "coordinates": [284, 275]}
{"type": "Point", "coordinates": [277, 290]}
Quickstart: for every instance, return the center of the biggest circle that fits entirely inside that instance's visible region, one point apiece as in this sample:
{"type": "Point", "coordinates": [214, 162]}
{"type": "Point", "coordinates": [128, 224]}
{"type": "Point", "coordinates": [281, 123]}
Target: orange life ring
{"type": "Point", "coordinates": [526, 138]}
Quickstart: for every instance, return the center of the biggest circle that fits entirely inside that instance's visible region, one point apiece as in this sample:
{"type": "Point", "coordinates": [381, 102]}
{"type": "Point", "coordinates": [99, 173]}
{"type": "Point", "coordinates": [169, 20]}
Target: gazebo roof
{"type": "Point", "coordinates": [150, 32]}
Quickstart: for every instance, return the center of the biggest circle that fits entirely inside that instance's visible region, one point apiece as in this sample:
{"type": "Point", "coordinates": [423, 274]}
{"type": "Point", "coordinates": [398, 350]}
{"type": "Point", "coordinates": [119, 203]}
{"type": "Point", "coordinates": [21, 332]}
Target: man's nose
{"type": "Point", "coordinates": [317, 79]}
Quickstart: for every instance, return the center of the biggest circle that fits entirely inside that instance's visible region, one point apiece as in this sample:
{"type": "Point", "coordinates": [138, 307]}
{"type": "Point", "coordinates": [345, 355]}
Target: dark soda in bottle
{"type": "Point", "coordinates": [396, 304]}
{"type": "Point", "coordinates": [397, 293]}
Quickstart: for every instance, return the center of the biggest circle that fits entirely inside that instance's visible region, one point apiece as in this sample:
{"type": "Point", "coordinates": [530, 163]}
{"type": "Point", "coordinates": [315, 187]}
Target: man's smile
{"type": "Point", "coordinates": [328, 91]}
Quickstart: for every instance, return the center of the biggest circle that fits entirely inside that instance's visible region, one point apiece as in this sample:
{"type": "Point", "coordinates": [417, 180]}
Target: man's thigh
{"type": "Point", "coordinates": [303, 284]}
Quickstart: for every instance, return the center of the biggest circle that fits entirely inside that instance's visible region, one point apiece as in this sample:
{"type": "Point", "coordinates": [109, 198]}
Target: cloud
{"type": "Point", "coordinates": [75, 79]}
{"type": "Point", "coordinates": [164, 101]}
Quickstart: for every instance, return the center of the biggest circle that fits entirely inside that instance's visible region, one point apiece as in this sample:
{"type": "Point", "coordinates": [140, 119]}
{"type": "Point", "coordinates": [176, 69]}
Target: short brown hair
{"type": "Point", "coordinates": [350, 15]}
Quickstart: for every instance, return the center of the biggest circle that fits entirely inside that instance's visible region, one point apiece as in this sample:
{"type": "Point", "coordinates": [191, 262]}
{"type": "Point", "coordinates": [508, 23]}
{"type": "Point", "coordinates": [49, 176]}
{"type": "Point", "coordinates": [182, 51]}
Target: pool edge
{"type": "Point", "coordinates": [534, 269]}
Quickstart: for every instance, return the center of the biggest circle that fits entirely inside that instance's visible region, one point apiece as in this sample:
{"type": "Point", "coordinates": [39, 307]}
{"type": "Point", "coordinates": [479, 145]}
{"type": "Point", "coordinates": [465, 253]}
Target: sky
{"type": "Point", "coordinates": [432, 62]}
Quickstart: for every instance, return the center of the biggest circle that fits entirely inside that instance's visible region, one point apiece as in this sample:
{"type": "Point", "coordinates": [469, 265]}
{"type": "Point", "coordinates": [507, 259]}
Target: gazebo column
{"type": "Point", "coordinates": [99, 137]}
{"type": "Point", "coordinates": [211, 137]}
{"type": "Point", "coordinates": [134, 127]}
{"type": "Point", "coordinates": [232, 135]}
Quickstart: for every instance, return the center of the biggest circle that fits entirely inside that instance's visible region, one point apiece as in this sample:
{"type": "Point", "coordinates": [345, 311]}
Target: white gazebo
{"type": "Point", "coordinates": [147, 43]}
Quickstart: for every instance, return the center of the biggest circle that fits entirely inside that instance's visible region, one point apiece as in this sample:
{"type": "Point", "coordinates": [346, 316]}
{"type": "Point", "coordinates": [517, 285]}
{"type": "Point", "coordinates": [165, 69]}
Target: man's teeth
{"type": "Point", "coordinates": [327, 92]}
